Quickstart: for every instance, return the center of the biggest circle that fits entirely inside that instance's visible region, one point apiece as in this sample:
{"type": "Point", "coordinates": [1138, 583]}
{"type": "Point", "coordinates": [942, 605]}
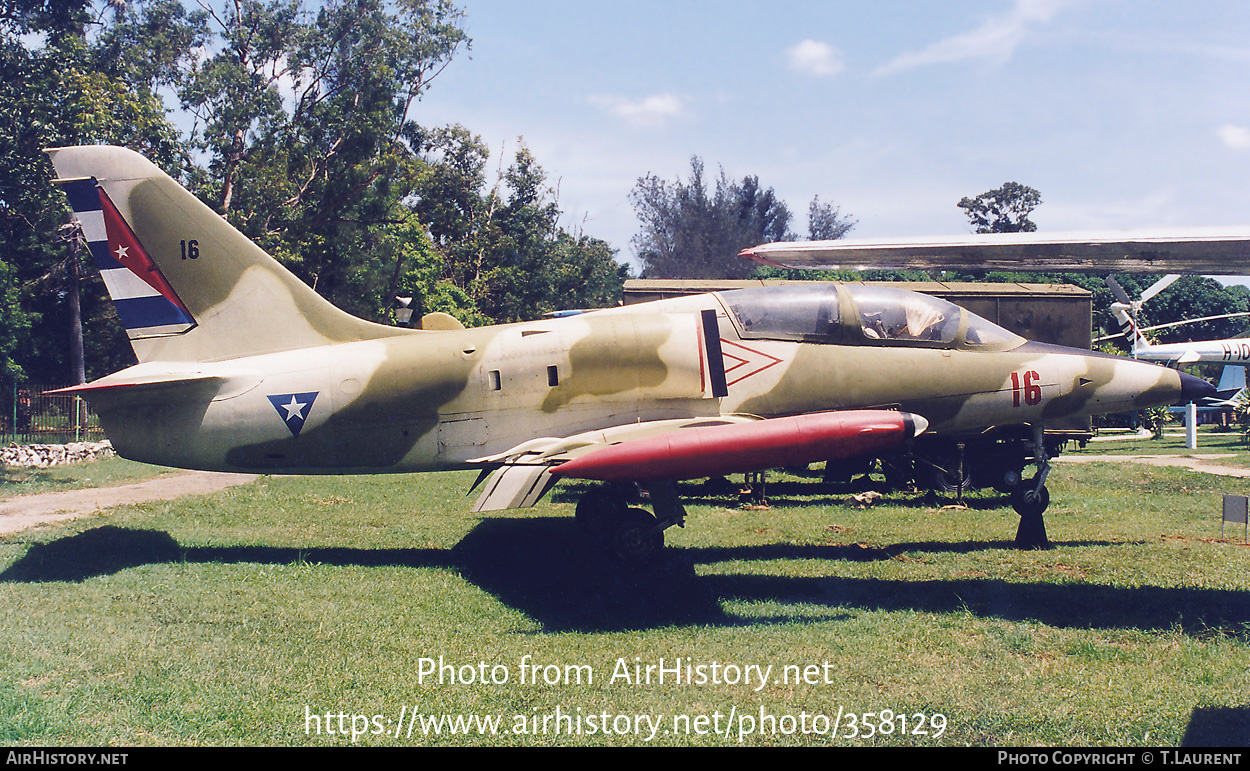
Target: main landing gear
{"type": "Point", "coordinates": [633, 535]}
{"type": "Point", "coordinates": [609, 514]}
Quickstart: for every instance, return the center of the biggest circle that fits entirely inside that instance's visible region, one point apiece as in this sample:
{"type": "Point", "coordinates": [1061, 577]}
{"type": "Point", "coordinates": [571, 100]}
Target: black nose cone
{"type": "Point", "coordinates": [1194, 389]}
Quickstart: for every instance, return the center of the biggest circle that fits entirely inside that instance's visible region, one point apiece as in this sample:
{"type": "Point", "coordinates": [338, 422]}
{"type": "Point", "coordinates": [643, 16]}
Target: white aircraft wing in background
{"type": "Point", "coordinates": [1206, 251]}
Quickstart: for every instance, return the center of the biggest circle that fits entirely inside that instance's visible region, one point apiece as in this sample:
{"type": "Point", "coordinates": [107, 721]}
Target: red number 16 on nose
{"type": "Point", "coordinates": [1032, 391]}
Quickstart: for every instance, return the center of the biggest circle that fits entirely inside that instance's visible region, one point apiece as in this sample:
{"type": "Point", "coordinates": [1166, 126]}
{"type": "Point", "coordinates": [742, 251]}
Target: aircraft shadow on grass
{"type": "Point", "coordinates": [1218, 727]}
{"type": "Point", "coordinates": [543, 568]}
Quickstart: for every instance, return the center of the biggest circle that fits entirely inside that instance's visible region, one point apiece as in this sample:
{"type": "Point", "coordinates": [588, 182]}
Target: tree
{"type": "Point", "coordinates": [689, 233]}
{"type": "Point", "coordinates": [305, 117]}
{"type": "Point", "coordinates": [1004, 210]}
{"type": "Point", "coordinates": [524, 263]}
{"type": "Point", "coordinates": [302, 135]}
{"type": "Point", "coordinates": [420, 274]}
{"type": "Point", "coordinates": [1193, 297]}
{"type": "Point", "coordinates": [59, 88]}
{"type": "Point", "coordinates": [450, 199]}
{"type": "Point", "coordinates": [825, 221]}
{"type": "Point", "coordinates": [501, 244]}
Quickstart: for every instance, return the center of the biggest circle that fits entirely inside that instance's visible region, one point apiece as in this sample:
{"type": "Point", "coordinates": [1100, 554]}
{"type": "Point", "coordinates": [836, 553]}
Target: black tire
{"type": "Point", "coordinates": [942, 481]}
{"type": "Point", "coordinates": [1030, 502]}
{"type": "Point", "coordinates": [598, 510]}
{"type": "Point", "coordinates": [636, 537]}
{"type": "Point", "coordinates": [1003, 477]}
{"type": "Point", "coordinates": [1008, 480]}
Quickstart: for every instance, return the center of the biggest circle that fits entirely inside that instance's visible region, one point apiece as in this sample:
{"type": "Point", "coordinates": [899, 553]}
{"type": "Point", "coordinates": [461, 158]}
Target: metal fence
{"type": "Point", "coordinates": [28, 414]}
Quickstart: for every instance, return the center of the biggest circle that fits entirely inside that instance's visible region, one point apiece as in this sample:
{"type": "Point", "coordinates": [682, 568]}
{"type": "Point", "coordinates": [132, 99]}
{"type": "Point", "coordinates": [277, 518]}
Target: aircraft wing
{"type": "Point", "coordinates": [689, 448]}
{"type": "Point", "coordinates": [1203, 251]}
{"type": "Point", "coordinates": [1239, 399]}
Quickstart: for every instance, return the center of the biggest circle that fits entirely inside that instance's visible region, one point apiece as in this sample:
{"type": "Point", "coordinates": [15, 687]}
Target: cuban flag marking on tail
{"type": "Point", "coordinates": [293, 409]}
{"type": "Point", "coordinates": [145, 302]}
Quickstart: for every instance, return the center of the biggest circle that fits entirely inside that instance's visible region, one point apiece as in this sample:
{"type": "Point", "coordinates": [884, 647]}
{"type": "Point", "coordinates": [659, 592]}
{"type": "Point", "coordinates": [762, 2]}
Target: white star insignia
{"type": "Point", "coordinates": [294, 409]}
{"type": "Point", "coordinates": [121, 252]}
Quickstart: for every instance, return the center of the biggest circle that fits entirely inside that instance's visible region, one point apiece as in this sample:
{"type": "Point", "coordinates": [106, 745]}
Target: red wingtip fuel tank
{"type": "Point", "coordinates": [740, 447]}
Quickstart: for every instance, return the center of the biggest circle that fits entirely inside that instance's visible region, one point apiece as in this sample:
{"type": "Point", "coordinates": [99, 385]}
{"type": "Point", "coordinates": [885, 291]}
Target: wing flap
{"type": "Point", "coordinates": [514, 487]}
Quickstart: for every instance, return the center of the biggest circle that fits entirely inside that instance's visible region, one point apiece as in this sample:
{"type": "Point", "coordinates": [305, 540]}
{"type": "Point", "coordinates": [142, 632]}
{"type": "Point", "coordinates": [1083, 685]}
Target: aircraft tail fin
{"type": "Point", "coordinates": [187, 285]}
{"type": "Point", "coordinates": [1232, 382]}
{"type": "Point", "coordinates": [1138, 342]}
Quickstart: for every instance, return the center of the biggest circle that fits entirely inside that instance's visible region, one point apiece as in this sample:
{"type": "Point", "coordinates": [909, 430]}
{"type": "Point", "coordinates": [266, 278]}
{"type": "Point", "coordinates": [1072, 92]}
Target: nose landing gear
{"type": "Point", "coordinates": [1030, 498]}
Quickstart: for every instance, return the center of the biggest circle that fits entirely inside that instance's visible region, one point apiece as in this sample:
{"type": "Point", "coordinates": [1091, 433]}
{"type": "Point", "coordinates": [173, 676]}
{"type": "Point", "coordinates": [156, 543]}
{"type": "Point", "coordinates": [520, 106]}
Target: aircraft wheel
{"type": "Point", "coordinates": [1006, 480]}
{"type": "Point", "coordinates": [1001, 474]}
{"type": "Point", "coordinates": [1030, 502]}
{"type": "Point", "coordinates": [598, 510]}
{"type": "Point", "coordinates": [636, 537]}
{"type": "Point", "coordinates": [942, 481]}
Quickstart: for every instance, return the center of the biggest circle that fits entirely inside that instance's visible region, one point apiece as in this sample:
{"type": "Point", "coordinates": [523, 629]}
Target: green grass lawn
{"type": "Point", "coordinates": [245, 617]}
{"type": "Point", "coordinates": [1210, 441]}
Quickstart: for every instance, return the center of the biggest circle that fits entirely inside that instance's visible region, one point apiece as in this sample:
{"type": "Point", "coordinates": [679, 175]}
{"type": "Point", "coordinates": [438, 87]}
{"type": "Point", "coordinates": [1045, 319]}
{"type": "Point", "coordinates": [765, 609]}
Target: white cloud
{"type": "Point", "coordinates": [650, 112]}
{"type": "Point", "coordinates": [997, 38]}
{"type": "Point", "coordinates": [1236, 137]}
{"type": "Point", "coordinates": [815, 58]}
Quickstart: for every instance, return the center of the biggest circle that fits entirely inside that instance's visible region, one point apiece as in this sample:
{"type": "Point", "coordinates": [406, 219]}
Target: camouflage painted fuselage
{"type": "Point", "coordinates": [244, 367]}
{"type": "Point", "coordinates": [432, 400]}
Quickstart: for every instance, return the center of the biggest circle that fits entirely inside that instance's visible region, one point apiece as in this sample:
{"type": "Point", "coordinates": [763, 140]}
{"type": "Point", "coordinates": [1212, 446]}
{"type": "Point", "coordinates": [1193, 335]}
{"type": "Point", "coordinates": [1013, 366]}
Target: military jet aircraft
{"type": "Point", "coordinates": [242, 367]}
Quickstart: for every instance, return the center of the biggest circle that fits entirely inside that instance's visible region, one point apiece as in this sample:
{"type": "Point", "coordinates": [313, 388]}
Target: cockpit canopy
{"type": "Point", "coordinates": [857, 314]}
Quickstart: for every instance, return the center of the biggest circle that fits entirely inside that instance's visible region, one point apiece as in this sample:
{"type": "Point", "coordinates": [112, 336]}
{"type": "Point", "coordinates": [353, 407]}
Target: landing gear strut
{"type": "Point", "coordinates": [632, 534]}
{"type": "Point", "coordinates": [1030, 498]}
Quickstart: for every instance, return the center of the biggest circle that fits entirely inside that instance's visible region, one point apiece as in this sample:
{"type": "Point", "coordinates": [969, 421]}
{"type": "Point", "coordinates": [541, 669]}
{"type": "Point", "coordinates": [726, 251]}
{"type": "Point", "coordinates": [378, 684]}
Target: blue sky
{"type": "Point", "coordinates": [1124, 114]}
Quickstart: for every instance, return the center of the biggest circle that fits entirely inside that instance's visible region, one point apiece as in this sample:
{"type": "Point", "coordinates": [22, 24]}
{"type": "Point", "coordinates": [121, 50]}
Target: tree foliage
{"type": "Point", "coordinates": [1006, 210]}
{"type": "Point", "coordinates": [305, 119]}
{"type": "Point", "coordinates": [67, 91]}
{"type": "Point", "coordinates": [297, 123]}
{"type": "Point", "coordinates": [1194, 297]}
{"type": "Point", "coordinates": [503, 246]}
{"type": "Point", "coordinates": [825, 222]}
{"type": "Point", "coordinates": [691, 232]}
{"type": "Point", "coordinates": [1003, 210]}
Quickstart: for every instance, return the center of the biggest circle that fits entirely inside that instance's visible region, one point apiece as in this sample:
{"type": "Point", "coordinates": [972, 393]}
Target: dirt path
{"type": "Point", "coordinates": [29, 510]}
{"type": "Point", "coordinates": [1200, 463]}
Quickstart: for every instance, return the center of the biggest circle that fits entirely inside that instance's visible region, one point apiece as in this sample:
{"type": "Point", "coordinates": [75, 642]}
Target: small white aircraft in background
{"type": "Point", "coordinates": [1231, 351]}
